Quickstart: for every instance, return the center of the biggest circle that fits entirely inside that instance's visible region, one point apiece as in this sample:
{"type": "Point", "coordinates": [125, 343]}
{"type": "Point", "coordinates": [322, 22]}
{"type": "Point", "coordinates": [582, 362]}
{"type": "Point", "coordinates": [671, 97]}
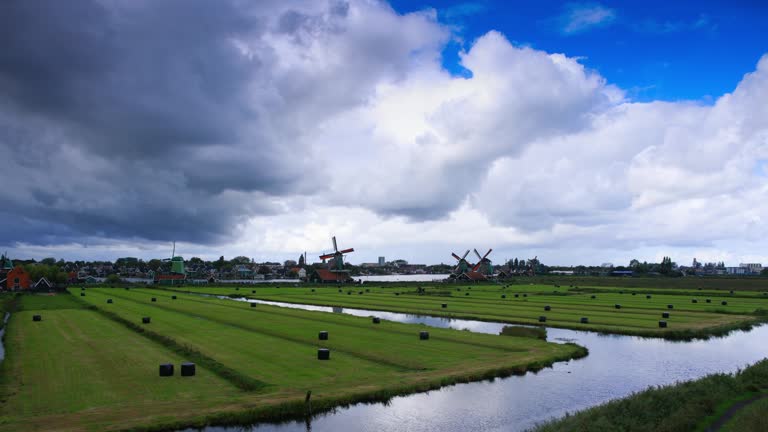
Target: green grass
{"type": "Point", "coordinates": [74, 361]}
{"type": "Point", "coordinates": [689, 406]}
{"type": "Point", "coordinates": [751, 419]}
{"type": "Point", "coordinates": [523, 304]}
{"type": "Point", "coordinates": [96, 363]}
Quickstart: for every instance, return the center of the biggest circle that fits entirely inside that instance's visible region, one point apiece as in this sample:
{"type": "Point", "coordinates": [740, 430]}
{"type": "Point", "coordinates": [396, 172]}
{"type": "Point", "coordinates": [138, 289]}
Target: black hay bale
{"type": "Point", "coordinates": [166, 370]}
{"type": "Point", "coordinates": [340, 291]}
{"type": "Point", "coordinates": [145, 320]}
{"type": "Point", "coordinates": [323, 354]}
{"type": "Point", "coordinates": [724, 303]}
{"type": "Point", "coordinates": [37, 318]}
{"type": "Point", "coordinates": [621, 292]}
{"type": "Point", "coordinates": [708, 300]}
{"type": "Point", "coordinates": [669, 306]}
{"type": "Point", "coordinates": [547, 307]}
{"type": "Point", "coordinates": [154, 299]}
{"type": "Point", "coordinates": [648, 296]}
{"type": "Point", "coordinates": [173, 297]}
{"type": "Point", "coordinates": [423, 335]}
{"type": "Point", "coordinates": [466, 294]}
{"type": "Point", "coordinates": [313, 290]}
{"type": "Point", "coordinates": [617, 306]}
{"type": "Point", "coordinates": [444, 305]}
{"type": "Point", "coordinates": [187, 369]}
{"type": "Point", "coordinates": [634, 293]}
{"type": "Point", "coordinates": [253, 304]}
{"type": "Point", "coordinates": [662, 324]}
{"type": "Point", "coordinates": [397, 294]}
{"type": "Point", "coordinates": [253, 291]}
{"type": "Point", "coordinates": [517, 295]}
{"type": "Point", "coordinates": [367, 290]}
{"type": "Point", "coordinates": [525, 295]}
{"type": "Point", "coordinates": [349, 292]}
{"type": "Point", "coordinates": [694, 301]}
{"type": "Point", "coordinates": [665, 314]}
{"type": "Point", "coordinates": [109, 300]}
{"type": "Point", "coordinates": [503, 296]}
{"type": "Point", "coordinates": [584, 320]}
{"type": "Point", "coordinates": [731, 291]}
{"type": "Point", "coordinates": [376, 320]}
{"type": "Point", "coordinates": [237, 289]}
{"type": "Point", "coordinates": [542, 319]}
{"type": "Point", "coordinates": [82, 289]}
{"type": "Point", "coordinates": [82, 294]}
{"type": "Point", "coordinates": [323, 335]}
{"type": "Point", "coordinates": [360, 292]}
{"type": "Point", "coordinates": [593, 297]}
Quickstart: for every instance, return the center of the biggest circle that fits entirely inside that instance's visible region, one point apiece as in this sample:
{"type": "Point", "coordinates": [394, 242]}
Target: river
{"type": "Point", "coordinates": [615, 367]}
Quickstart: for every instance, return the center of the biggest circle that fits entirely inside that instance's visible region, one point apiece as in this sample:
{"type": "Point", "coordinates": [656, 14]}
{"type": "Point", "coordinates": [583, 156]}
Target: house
{"type": "Point", "coordinates": [472, 276]}
{"type": "Point", "coordinates": [17, 279]}
{"type": "Point", "coordinates": [327, 276]}
{"type": "Point", "coordinates": [42, 284]}
{"type": "Point", "coordinates": [300, 272]}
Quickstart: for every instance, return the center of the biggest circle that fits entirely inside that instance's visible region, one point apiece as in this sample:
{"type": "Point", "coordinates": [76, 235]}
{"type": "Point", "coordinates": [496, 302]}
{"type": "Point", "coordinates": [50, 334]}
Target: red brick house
{"type": "Point", "coordinates": [17, 279]}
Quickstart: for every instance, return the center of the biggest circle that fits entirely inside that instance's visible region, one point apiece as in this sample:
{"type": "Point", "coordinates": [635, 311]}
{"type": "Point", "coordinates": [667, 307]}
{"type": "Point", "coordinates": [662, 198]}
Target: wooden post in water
{"type": "Point", "coordinates": [308, 402]}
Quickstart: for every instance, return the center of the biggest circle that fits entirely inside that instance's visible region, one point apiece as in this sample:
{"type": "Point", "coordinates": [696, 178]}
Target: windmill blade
{"type": "Point", "coordinates": [347, 250]}
{"type": "Point", "coordinates": [465, 254]}
{"type": "Point", "coordinates": [336, 249]}
{"type": "Point", "coordinates": [326, 256]}
{"type": "Point", "coordinates": [476, 267]}
{"type": "Point", "coordinates": [174, 250]}
{"type": "Point", "coordinates": [458, 258]}
{"type": "Point", "coordinates": [486, 254]}
{"type": "Point", "coordinates": [478, 255]}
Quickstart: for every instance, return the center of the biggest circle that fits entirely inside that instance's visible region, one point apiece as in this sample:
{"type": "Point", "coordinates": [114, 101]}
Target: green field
{"type": "Point", "coordinates": [524, 304]}
{"type": "Point", "coordinates": [92, 365]}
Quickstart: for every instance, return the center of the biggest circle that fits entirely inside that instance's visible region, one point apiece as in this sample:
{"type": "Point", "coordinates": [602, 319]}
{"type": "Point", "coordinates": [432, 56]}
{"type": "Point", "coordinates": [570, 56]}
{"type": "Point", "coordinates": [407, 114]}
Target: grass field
{"type": "Point", "coordinates": [693, 313]}
{"type": "Point", "coordinates": [92, 365]}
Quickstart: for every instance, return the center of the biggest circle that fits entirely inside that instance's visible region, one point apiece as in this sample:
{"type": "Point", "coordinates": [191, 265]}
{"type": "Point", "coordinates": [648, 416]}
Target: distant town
{"type": "Point", "coordinates": [50, 272]}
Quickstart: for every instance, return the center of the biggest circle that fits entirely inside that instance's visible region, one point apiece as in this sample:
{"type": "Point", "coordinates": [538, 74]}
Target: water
{"type": "Point", "coordinates": [2, 336]}
{"type": "Point", "coordinates": [402, 278]}
{"type": "Point", "coordinates": [616, 367]}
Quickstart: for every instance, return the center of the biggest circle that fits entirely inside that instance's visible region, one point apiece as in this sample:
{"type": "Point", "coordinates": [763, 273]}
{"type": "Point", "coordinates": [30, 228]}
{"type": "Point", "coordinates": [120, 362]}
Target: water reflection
{"type": "Point", "coordinates": [616, 367]}
{"type": "Point", "coordinates": [2, 336]}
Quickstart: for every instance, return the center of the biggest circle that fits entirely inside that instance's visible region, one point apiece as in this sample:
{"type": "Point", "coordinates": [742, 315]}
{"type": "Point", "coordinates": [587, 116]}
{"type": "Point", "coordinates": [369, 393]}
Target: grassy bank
{"type": "Point", "coordinates": [689, 406]}
{"type": "Point", "coordinates": [107, 355]}
{"type": "Point", "coordinates": [698, 315]}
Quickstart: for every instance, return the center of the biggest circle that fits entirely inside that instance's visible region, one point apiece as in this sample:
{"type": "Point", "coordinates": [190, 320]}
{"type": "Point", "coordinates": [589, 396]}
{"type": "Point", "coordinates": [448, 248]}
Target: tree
{"type": "Point", "coordinates": [113, 279]}
{"type": "Point", "coordinates": [48, 261]}
{"type": "Point", "coordinates": [301, 260]}
{"type": "Point", "coordinates": [264, 270]}
{"type": "Point", "coordinates": [634, 264]}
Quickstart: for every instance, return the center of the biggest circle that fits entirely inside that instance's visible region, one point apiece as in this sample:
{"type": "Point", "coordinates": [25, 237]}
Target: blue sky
{"type": "Point", "coordinates": [655, 50]}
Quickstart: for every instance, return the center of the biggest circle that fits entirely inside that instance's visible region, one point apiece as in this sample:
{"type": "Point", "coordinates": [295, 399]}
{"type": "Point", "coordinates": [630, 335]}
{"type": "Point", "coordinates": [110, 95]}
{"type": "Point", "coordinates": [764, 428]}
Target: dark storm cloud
{"type": "Point", "coordinates": [134, 120]}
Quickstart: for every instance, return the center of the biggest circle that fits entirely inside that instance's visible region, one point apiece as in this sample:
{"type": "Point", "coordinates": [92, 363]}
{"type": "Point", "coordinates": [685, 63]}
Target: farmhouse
{"type": "Point", "coordinates": [17, 279]}
{"type": "Point", "coordinates": [327, 276]}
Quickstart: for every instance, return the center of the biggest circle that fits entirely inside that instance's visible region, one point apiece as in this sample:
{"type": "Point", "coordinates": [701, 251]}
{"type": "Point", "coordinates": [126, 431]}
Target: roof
{"type": "Point", "coordinates": [475, 276]}
{"type": "Point", "coordinates": [43, 281]}
{"type": "Point", "coordinates": [327, 275]}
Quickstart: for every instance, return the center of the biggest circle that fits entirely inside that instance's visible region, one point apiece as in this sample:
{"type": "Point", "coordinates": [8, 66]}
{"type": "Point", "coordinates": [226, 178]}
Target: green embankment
{"type": "Point", "coordinates": [689, 406]}
{"type": "Point", "coordinates": [750, 419]}
{"type": "Point", "coordinates": [95, 364]}
{"type": "Point", "coordinates": [693, 315]}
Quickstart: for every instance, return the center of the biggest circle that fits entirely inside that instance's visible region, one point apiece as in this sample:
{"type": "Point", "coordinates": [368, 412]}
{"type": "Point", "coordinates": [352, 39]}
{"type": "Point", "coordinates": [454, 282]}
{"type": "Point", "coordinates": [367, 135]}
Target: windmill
{"type": "Point", "coordinates": [337, 258]}
{"type": "Point", "coordinates": [462, 266]}
{"type": "Point", "coordinates": [177, 262]}
{"type": "Point", "coordinates": [484, 264]}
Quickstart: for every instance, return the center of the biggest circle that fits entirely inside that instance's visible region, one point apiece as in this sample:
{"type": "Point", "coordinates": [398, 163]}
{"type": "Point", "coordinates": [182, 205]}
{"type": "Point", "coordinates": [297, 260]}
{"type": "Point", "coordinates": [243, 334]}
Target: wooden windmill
{"type": "Point", "coordinates": [462, 266]}
{"type": "Point", "coordinates": [336, 263]}
{"type": "Point", "coordinates": [484, 264]}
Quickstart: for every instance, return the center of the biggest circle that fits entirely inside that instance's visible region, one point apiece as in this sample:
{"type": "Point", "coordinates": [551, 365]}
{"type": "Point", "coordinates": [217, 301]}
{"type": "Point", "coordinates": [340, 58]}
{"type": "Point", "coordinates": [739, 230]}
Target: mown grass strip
{"type": "Point", "coordinates": [297, 410]}
{"type": "Point", "coordinates": [241, 381]}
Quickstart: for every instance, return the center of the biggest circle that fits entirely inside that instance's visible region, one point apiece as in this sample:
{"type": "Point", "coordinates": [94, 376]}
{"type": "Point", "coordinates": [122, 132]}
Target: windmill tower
{"type": "Point", "coordinates": [462, 266]}
{"type": "Point", "coordinates": [484, 264]}
{"type": "Point", "coordinates": [336, 263]}
{"type": "Point", "coordinates": [177, 263]}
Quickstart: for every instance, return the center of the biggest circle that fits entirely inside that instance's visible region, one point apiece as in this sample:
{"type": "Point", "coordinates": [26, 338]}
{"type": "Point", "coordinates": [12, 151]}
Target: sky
{"type": "Point", "coordinates": [579, 132]}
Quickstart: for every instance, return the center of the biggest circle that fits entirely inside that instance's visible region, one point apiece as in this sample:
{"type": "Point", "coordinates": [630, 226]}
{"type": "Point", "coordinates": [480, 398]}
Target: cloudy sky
{"type": "Point", "coordinates": [579, 132]}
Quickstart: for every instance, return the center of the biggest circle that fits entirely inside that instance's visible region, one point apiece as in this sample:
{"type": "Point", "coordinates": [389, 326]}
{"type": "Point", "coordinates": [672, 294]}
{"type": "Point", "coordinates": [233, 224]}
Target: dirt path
{"type": "Point", "coordinates": [733, 410]}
